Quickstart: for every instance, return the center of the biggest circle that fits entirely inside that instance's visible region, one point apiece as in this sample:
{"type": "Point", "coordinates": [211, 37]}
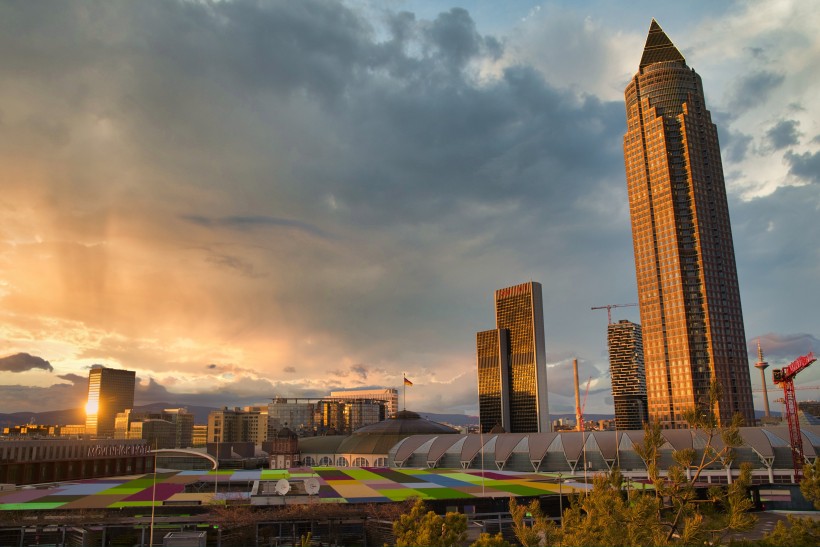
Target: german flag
{"type": "Point", "coordinates": [407, 382]}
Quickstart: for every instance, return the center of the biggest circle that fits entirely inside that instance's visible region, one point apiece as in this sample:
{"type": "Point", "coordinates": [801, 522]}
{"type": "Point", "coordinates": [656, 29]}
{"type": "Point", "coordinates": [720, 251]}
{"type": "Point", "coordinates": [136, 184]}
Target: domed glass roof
{"type": "Point", "coordinates": [375, 438]}
{"type": "Point", "coordinates": [404, 422]}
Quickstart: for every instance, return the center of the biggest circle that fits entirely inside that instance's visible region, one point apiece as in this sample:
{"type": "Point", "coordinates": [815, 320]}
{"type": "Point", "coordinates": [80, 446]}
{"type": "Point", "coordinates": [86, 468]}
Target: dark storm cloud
{"type": "Point", "coordinates": [234, 263]}
{"type": "Point", "coordinates": [753, 90]}
{"type": "Point", "coordinates": [69, 394]}
{"type": "Point", "coordinates": [411, 145]}
{"type": "Point", "coordinates": [735, 145]}
{"type": "Point", "coordinates": [806, 165]}
{"type": "Point", "coordinates": [515, 138]}
{"type": "Point", "coordinates": [379, 184]}
{"type": "Point", "coordinates": [454, 34]}
{"type": "Point", "coordinates": [360, 370]}
{"type": "Point", "coordinates": [21, 362]}
{"type": "Point", "coordinates": [75, 379]}
{"type": "Point", "coordinates": [783, 134]}
{"type": "Point", "coordinates": [253, 222]}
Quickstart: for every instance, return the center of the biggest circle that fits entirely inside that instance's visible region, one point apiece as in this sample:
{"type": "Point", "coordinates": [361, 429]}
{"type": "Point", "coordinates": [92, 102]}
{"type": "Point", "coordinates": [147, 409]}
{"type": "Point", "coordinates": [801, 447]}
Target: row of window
{"type": "Point", "coordinates": [342, 461]}
{"type": "Point", "coordinates": [44, 452]}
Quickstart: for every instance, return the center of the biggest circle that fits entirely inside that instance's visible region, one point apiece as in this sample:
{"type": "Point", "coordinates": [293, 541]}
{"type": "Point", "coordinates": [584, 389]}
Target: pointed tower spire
{"type": "Point", "coordinates": [659, 48]}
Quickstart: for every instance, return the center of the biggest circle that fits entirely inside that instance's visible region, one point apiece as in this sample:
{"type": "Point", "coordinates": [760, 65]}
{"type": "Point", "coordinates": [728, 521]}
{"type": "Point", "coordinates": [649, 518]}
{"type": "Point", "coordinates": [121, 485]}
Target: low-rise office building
{"type": "Point", "coordinates": [52, 460]}
{"type": "Point", "coordinates": [171, 428]}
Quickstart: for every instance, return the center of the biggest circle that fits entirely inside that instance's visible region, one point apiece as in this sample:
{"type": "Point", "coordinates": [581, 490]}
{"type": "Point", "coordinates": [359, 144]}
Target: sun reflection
{"type": "Point", "coordinates": [91, 407]}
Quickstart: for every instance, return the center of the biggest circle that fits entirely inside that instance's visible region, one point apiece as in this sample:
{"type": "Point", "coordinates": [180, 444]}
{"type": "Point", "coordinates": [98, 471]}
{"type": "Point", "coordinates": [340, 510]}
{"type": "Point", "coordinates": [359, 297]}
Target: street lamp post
{"type": "Point", "coordinates": [561, 496]}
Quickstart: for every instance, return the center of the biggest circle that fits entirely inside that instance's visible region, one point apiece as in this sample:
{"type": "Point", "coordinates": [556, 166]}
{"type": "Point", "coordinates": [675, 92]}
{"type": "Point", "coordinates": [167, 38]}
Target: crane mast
{"type": "Point", "coordinates": [785, 376]}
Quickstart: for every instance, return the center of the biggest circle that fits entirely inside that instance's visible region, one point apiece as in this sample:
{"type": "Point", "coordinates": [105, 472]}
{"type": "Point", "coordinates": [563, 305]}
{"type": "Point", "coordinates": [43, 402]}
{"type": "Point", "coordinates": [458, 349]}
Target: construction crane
{"type": "Point", "coordinates": [609, 307]}
{"type": "Point", "coordinates": [786, 376]}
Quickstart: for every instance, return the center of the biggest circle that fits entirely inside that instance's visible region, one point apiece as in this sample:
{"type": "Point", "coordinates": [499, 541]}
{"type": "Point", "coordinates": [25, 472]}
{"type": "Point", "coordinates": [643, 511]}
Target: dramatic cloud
{"type": "Point", "coordinates": [251, 222]}
{"type": "Point", "coordinates": [805, 166]}
{"type": "Point", "coordinates": [23, 361]}
{"type": "Point", "coordinates": [784, 347]}
{"type": "Point", "coordinates": [784, 133]}
{"type": "Point", "coordinates": [736, 146]}
{"type": "Point", "coordinates": [360, 370]}
{"type": "Point", "coordinates": [72, 393]}
{"type": "Point", "coordinates": [754, 89]}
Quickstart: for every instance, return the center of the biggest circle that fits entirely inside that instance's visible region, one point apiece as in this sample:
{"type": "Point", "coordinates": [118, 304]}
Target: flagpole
{"type": "Point", "coordinates": [153, 496]}
{"type": "Point", "coordinates": [404, 389]}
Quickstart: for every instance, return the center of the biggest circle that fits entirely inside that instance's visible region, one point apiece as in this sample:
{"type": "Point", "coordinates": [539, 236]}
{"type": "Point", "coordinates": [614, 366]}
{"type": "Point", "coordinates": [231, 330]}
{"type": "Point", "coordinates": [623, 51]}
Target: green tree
{"type": "Point", "coordinates": [673, 513]}
{"type": "Point", "coordinates": [538, 531]}
{"type": "Point", "coordinates": [237, 523]}
{"type": "Point", "coordinates": [422, 527]}
{"type": "Point", "coordinates": [684, 517]}
{"type": "Point", "coordinates": [486, 540]}
{"type": "Point", "coordinates": [605, 516]}
{"type": "Point", "coordinates": [810, 485]}
{"type": "Point", "coordinates": [800, 531]}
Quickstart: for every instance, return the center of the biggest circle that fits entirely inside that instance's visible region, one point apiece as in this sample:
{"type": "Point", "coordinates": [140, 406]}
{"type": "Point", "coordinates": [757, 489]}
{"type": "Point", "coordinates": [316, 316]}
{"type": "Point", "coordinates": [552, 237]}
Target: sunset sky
{"type": "Point", "coordinates": [241, 200]}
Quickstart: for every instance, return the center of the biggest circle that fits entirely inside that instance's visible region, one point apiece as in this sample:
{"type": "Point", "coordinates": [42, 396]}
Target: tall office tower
{"type": "Point", "coordinates": [627, 372]}
{"type": "Point", "coordinates": [684, 257]}
{"type": "Point", "coordinates": [519, 317]}
{"type": "Point", "coordinates": [493, 356]}
{"type": "Point", "coordinates": [176, 432]}
{"type": "Point", "coordinates": [110, 391]}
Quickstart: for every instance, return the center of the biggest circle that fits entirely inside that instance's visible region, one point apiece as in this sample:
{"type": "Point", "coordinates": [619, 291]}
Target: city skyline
{"type": "Point", "coordinates": [323, 196]}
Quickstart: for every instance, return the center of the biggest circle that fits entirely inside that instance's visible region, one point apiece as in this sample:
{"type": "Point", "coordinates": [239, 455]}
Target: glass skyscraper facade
{"type": "Point", "coordinates": [110, 391]}
{"type": "Point", "coordinates": [493, 379]}
{"type": "Point", "coordinates": [519, 318]}
{"type": "Point", "coordinates": [684, 256]}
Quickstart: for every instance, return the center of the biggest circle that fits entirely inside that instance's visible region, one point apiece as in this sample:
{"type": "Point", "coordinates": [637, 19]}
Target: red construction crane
{"type": "Point", "coordinates": [786, 376]}
{"type": "Point", "coordinates": [609, 307]}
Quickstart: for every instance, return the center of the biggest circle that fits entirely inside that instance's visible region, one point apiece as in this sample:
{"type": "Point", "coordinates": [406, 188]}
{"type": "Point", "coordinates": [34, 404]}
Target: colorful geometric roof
{"type": "Point", "coordinates": [337, 485]}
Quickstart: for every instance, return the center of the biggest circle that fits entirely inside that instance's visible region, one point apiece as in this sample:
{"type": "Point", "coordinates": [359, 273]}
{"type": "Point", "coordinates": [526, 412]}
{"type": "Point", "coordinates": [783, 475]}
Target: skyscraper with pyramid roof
{"type": "Point", "coordinates": [684, 256]}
